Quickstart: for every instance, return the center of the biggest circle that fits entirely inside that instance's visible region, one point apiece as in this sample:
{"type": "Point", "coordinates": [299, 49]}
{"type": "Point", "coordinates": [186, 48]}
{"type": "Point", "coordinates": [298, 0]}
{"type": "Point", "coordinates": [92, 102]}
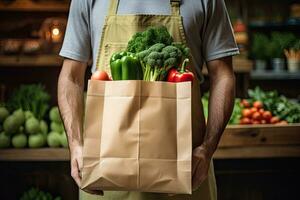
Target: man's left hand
{"type": "Point", "coordinates": [200, 165]}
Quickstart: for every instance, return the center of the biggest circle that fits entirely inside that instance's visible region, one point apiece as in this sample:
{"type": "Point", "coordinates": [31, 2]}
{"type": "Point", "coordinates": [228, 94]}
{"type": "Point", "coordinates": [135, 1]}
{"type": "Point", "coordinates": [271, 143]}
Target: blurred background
{"type": "Point", "coordinates": [258, 156]}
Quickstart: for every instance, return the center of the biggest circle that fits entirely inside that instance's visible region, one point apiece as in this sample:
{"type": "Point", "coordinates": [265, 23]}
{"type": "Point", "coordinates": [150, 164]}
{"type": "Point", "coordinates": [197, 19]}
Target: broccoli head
{"type": "Point", "coordinates": [183, 48]}
{"type": "Point", "coordinates": [153, 35]}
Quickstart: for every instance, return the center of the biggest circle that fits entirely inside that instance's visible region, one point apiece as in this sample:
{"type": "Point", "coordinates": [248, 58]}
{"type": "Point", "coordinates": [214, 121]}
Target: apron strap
{"type": "Point", "coordinates": [113, 7]}
{"type": "Point", "coordinates": [175, 6]}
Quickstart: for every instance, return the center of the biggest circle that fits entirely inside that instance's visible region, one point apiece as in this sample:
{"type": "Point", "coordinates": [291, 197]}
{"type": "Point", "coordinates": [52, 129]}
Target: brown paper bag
{"type": "Point", "coordinates": [138, 137]}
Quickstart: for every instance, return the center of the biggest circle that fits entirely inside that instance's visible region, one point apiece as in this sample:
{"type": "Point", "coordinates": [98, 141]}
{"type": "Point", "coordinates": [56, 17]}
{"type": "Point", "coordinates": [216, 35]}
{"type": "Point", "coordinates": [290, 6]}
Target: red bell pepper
{"type": "Point", "coordinates": [180, 75]}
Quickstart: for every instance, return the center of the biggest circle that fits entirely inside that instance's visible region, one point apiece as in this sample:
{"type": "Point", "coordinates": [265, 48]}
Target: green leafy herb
{"type": "Point", "coordinates": [32, 98]}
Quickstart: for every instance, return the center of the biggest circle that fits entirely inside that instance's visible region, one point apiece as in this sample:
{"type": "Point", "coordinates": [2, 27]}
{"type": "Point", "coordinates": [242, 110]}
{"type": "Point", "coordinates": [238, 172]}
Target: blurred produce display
{"type": "Point", "coordinates": [37, 194]}
{"type": "Point", "coordinates": [33, 98]}
{"type": "Point", "coordinates": [23, 120]}
{"type": "Point", "coordinates": [263, 107]}
{"type": "Point", "coordinates": [274, 48]}
{"type": "Point", "coordinates": [279, 105]}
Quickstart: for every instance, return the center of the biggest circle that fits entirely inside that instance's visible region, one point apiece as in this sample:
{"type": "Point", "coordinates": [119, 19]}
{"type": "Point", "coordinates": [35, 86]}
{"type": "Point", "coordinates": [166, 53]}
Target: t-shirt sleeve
{"type": "Point", "coordinates": [217, 36]}
{"type": "Point", "coordinates": [77, 41]}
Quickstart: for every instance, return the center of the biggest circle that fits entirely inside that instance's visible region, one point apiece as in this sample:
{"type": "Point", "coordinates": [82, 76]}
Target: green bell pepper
{"type": "Point", "coordinates": [125, 66]}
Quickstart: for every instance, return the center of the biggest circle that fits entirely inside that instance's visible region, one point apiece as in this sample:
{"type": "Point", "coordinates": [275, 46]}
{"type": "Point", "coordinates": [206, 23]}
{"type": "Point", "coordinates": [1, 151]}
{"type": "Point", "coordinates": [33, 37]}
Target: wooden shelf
{"type": "Point", "coordinates": [261, 141]}
{"type": "Point", "coordinates": [43, 154]}
{"type": "Point", "coordinates": [30, 6]}
{"type": "Point", "coordinates": [31, 61]}
{"type": "Point", "coordinates": [238, 142]}
{"type": "Point", "coordinates": [271, 75]}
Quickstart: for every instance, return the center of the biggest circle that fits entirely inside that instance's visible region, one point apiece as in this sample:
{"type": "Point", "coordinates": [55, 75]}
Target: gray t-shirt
{"type": "Point", "coordinates": [206, 22]}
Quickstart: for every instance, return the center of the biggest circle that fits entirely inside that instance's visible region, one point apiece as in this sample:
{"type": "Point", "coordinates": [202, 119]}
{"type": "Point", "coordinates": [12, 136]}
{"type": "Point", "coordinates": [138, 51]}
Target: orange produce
{"type": "Point", "coordinates": [256, 116]}
{"type": "Point", "coordinates": [263, 121]}
{"type": "Point", "coordinates": [245, 103]}
{"type": "Point", "coordinates": [274, 120]}
{"type": "Point", "coordinates": [100, 75]}
{"type": "Point", "coordinates": [245, 120]}
{"type": "Point", "coordinates": [267, 115]}
{"type": "Point", "coordinates": [253, 110]}
{"type": "Point", "coordinates": [256, 122]}
{"type": "Point", "coordinates": [283, 122]}
{"type": "Point", "coordinates": [261, 111]}
{"type": "Point", "coordinates": [258, 104]}
{"type": "Point", "coordinates": [246, 112]}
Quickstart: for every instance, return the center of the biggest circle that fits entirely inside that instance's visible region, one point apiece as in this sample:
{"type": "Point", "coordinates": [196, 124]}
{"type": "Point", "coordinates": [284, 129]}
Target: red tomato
{"type": "Point", "coordinates": [283, 122]}
{"type": "Point", "coordinates": [258, 104]}
{"type": "Point", "coordinates": [256, 116]}
{"type": "Point", "coordinates": [246, 112]}
{"type": "Point", "coordinates": [100, 75]}
{"type": "Point", "coordinates": [267, 115]}
{"type": "Point", "coordinates": [245, 103]}
{"type": "Point", "coordinates": [261, 111]}
{"type": "Point", "coordinates": [263, 121]}
{"type": "Point", "coordinates": [245, 120]}
{"type": "Point", "coordinates": [253, 110]}
{"type": "Point", "coordinates": [274, 120]}
{"type": "Point", "coordinates": [255, 122]}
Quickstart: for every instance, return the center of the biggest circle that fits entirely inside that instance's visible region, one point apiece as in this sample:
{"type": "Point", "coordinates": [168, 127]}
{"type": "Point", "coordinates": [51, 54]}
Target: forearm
{"type": "Point", "coordinates": [70, 101]}
{"type": "Point", "coordinates": [221, 102]}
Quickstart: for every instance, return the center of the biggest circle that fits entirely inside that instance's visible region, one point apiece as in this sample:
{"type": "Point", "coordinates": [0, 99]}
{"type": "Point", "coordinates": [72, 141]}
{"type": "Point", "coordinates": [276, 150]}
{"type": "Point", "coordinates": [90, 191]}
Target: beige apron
{"type": "Point", "coordinates": [117, 31]}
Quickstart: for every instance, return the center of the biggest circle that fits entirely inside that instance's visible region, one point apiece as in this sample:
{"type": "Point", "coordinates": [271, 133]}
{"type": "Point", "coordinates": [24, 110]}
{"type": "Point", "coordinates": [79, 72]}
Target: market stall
{"type": "Point", "coordinates": [258, 153]}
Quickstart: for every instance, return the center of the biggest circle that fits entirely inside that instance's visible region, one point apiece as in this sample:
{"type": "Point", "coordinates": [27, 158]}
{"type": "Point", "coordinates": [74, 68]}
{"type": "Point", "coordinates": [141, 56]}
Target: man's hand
{"type": "Point", "coordinates": [70, 101]}
{"type": "Point", "coordinates": [76, 167]}
{"type": "Point", "coordinates": [76, 164]}
{"type": "Point", "coordinates": [200, 166]}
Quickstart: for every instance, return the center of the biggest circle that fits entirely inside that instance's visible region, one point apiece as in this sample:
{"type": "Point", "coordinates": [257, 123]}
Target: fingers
{"type": "Point", "coordinates": [75, 173]}
{"type": "Point", "coordinates": [198, 178]}
{"type": "Point", "coordinates": [195, 162]}
{"type": "Point", "coordinates": [199, 169]}
{"type": "Point", "coordinates": [200, 174]}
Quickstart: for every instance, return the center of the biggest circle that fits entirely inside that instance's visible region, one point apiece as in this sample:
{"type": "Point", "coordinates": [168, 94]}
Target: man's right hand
{"type": "Point", "coordinates": [76, 167]}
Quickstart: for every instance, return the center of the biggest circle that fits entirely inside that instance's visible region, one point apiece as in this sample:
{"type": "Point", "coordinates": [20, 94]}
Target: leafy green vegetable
{"type": "Point", "coordinates": [36, 140]}
{"type": "Point", "coordinates": [11, 125]}
{"type": "Point", "coordinates": [158, 59]}
{"type": "Point", "coordinates": [37, 194]}
{"type": "Point", "coordinates": [279, 42]}
{"type": "Point", "coordinates": [259, 46]}
{"type": "Point", "coordinates": [205, 104]}
{"type": "Point", "coordinates": [236, 113]}
{"type": "Point", "coordinates": [57, 127]}
{"type": "Point", "coordinates": [143, 40]}
{"type": "Point", "coordinates": [19, 140]}
{"type": "Point", "coordinates": [53, 139]}
{"type": "Point", "coordinates": [43, 127]}
{"type": "Point", "coordinates": [296, 46]}
{"type": "Point", "coordinates": [4, 140]}
{"type": "Point", "coordinates": [32, 98]}
{"type": "Point", "coordinates": [279, 105]}
{"type": "Point", "coordinates": [54, 115]}
{"type": "Point", "coordinates": [32, 126]}
{"type": "Point", "coordinates": [19, 114]}
{"type": "Point", "coordinates": [3, 114]}
{"type": "Point", "coordinates": [64, 140]}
